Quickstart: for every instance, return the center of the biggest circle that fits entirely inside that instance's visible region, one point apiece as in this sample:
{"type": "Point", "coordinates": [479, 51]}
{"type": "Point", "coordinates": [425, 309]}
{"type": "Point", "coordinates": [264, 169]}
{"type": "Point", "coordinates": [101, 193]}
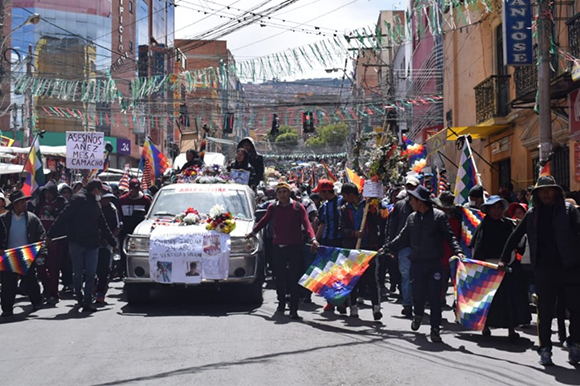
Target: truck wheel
{"type": "Point", "coordinates": [137, 293]}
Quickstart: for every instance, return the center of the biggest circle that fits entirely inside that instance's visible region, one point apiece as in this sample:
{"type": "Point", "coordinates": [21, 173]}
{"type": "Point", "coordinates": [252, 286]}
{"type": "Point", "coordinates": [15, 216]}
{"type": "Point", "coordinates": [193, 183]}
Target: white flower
{"type": "Point", "coordinates": [191, 219]}
{"type": "Point", "coordinates": [216, 210]}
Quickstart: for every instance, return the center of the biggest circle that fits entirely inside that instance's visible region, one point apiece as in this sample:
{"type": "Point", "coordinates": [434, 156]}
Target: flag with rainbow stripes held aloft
{"type": "Point", "coordinates": [18, 260]}
{"type": "Point", "coordinates": [476, 283]}
{"type": "Point", "coordinates": [470, 220]}
{"type": "Point", "coordinates": [416, 153]}
{"type": "Point", "coordinates": [335, 272]}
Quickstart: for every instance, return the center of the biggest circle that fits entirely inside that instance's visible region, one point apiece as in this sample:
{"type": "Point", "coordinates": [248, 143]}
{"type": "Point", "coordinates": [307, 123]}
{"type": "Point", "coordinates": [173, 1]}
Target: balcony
{"type": "Point", "coordinates": [574, 35]}
{"type": "Point", "coordinates": [492, 97]}
{"type": "Point", "coordinates": [526, 77]}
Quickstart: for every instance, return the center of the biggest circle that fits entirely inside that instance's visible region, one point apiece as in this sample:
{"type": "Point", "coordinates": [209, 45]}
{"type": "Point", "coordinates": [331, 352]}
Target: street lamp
{"type": "Point", "coordinates": [33, 19]}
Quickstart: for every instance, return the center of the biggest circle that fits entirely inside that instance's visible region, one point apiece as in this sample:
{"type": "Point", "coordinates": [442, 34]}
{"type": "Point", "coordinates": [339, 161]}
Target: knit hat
{"type": "Point", "coordinates": [282, 185]}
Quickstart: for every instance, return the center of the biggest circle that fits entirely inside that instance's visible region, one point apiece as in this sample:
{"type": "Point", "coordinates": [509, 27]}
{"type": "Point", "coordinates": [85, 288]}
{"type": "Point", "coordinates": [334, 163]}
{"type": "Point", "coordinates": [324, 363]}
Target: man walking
{"type": "Point", "coordinates": [288, 216]}
{"type": "Point", "coordinates": [425, 232]}
{"type": "Point", "coordinates": [397, 220]}
{"type": "Point", "coordinates": [82, 220]}
{"type": "Point", "coordinates": [553, 229]}
{"type": "Point", "coordinates": [20, 228]}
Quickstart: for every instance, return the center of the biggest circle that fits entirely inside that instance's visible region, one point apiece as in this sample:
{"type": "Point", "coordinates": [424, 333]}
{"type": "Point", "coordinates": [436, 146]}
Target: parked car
{"type": "Point", "coordinates": [246, 262]}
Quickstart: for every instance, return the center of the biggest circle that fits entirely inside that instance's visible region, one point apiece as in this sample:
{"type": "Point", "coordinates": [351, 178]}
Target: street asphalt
{"type": "Point", "coordinates": [194, 337]}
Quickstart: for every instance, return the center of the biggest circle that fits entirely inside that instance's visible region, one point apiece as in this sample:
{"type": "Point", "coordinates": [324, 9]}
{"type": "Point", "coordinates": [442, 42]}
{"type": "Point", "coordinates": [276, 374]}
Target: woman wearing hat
{"type": "Point", "coordinates": [509, 308]}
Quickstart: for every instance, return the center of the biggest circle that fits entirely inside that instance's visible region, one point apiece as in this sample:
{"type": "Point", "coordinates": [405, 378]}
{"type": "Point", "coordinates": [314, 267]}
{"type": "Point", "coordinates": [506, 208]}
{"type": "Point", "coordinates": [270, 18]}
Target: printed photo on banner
{"type": "Point", "coordinates": [163, 272]}
{"type": "Point", "coordinates": [211, 244]}
{"type": "Point", "coordinates": [192, 268]}
{"type": "Point", "coordinates": [240, 176]}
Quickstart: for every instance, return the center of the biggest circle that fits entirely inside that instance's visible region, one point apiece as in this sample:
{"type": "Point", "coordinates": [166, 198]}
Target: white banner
{"type": "Point", "coordinates": [188, 254]}
{"type": "Point", "coordinates": [85, 150]}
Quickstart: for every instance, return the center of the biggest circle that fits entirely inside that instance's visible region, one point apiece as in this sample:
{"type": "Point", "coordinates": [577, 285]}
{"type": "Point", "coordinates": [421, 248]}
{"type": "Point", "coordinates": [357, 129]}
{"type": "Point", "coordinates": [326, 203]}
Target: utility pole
{"type": "Point", "coordinates": [544, 95]}
{"type": "Point", "coordinates": [26, 111]}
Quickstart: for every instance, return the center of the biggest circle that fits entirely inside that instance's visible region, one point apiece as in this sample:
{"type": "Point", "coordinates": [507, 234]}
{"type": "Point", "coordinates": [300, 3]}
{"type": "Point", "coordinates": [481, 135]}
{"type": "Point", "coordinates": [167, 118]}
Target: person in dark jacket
{"type": "Point", "coordinates": [424, 232]}
{"type": "Point", "coordinates": [509, 308]}
{"type": "Point", "coordinates": [397, 220]}
{"type": "Point", "coordinates": [83, 222]}
{"type": "Point", "coordinates": [242, 162]}
{"type": "Point", "coordinates": [19, 228]}
{"type": "Point", "coordinates": [50, 204]}
{"type": "Point", "coordinates": [256, 160]}
{"type": "Point", "coordinates": [553, 229]}
{"type": "Point", "coordinates": [351, 217]}
{"type": "Point", "coordinates": [193, 160]}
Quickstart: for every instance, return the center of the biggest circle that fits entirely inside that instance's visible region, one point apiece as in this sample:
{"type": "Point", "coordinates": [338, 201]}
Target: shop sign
{"type": "Point", "coordinates": [517, 33]}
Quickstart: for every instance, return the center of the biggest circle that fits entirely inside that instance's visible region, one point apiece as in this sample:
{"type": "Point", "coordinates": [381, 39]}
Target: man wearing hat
{"type": "Point", "coordinates": [84, 224]}
{"type": "Point", "coordinates": [20, 227]}
{"type": "Point", "coordinates": [424, 232]}
{"type": "Point", "coordinates": [397, 220]}
{"type": "Point", "coordinates": [104, 264]}
{"type": "Point", "coordinates": [553, 229]}
{"type": "Point", "coordinates": [128, 206]}
{"type": "Point", "coordinates": [289, 217]}
{"type": "Point", "coordinates": [329, 221]}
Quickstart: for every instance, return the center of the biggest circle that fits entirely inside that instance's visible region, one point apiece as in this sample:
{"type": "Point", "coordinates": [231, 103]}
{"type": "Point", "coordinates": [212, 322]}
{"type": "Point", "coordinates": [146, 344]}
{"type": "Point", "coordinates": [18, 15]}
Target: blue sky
{"type": "Point", "coordinates": [330, 16]}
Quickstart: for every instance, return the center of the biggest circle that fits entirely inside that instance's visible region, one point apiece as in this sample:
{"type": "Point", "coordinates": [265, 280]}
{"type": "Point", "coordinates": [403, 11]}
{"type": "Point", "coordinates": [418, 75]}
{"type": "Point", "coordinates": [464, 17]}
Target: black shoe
{"type": "Point", "coordinates": [342, 309]}
{"type": "Point", "coordinates": [281, 307]}
{"type": "Point", "coordinates": [6, 314]}
{"type": "Point", "coordinates": [378, 315]}
{"type": "Point", "coordinates": [486, 332]}
{"type": "Point", "coordinates": [89, 308]}
{"type": "Point", "coordinates": [513, 337]}
{"type": "Point", "coordinates": [416, 322]}
{"type": "Point", "coordinates": [294, 315]}
{"type": "Point", "coordinates": [407, 311]}
{"type": "Point", "coordinates": [36, 306]}
{"type": "Point", "coordinates": [435, 335]}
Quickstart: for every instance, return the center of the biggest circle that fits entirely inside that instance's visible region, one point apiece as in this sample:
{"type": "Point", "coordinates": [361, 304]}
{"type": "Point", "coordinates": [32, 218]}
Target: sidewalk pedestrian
{"type": "Point", "coordinates": [424, 232]}
{"type": "Point", "coordinates": [288, 216]}
{"type": "Point", "coordinates": [553, 229]}
{"type": "Point", "coordinates": [20, 227]}
{"type": "Point", "coordinates": [83, 222]}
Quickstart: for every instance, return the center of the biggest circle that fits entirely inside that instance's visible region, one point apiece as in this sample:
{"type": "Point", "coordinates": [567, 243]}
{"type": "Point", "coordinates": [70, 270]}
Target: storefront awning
{"type": "Point", "coordinates": [476, 132]}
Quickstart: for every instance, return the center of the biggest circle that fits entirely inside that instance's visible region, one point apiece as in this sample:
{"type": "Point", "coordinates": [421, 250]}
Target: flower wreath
{"type": "Point", "coordinates": [220, 220]}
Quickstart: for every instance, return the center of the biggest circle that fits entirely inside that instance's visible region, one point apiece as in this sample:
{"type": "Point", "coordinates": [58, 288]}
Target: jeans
{"type": "Point", "coordinates": [84, 261]}
{"type": "Point", "coordinates": [426, 283]}
{"type": "Point", "coordinates": [405, 269]}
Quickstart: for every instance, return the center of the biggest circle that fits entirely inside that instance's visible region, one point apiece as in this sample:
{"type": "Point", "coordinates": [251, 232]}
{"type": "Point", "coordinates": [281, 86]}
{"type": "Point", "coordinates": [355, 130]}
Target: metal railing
{"type": "Point", "coordinates": [492, 98]}
{"type": "Point", "coordinates": [574, 35]}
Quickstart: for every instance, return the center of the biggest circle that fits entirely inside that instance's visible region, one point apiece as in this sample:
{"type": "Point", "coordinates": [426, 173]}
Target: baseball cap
{"type": "Point", "coordinates": [134, 183]}
{"type": "Point", "coordinates": [412, 181]}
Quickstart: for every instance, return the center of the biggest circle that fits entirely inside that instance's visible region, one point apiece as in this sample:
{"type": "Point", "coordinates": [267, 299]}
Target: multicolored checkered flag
{"type": "Point", "coordinates": [467, 176]}
{"type": "Point", "coordinates": [470, 220]}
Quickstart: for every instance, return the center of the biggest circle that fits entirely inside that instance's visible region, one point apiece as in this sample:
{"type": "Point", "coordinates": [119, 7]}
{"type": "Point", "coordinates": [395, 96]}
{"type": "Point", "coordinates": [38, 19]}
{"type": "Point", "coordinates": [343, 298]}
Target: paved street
{"type": "Point", "coordinates": [200, 339]}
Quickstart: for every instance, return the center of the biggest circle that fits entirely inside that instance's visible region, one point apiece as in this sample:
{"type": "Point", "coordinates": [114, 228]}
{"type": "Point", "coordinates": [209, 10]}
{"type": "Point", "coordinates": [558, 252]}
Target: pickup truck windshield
{"type": "Point", "coordinates": [171, 202]}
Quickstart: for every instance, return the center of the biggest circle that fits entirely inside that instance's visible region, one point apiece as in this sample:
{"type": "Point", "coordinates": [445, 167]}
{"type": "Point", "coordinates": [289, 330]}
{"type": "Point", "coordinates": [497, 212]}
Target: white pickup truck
{"type": "Point", "coordinates": [246, 262]}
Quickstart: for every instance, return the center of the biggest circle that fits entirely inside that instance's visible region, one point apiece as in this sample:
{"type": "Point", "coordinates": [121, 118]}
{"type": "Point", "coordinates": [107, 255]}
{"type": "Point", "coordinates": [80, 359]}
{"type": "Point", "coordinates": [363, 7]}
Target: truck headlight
{"type": "Point", "coordinates": [243, 245]}
{"type": "Point", "coordinates": [137, 244]}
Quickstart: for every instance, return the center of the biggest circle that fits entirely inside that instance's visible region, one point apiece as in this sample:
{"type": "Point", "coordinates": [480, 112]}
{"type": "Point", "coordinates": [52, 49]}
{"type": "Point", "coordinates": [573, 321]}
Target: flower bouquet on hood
{"type": "Point", "coordinates": [189, 217]}
{"type": "Point", "coordinates": [213, 174]}
{"type": "Point", "coordinates": [188, 175]}
{"type": "Point", "coordinates": [221, 221]}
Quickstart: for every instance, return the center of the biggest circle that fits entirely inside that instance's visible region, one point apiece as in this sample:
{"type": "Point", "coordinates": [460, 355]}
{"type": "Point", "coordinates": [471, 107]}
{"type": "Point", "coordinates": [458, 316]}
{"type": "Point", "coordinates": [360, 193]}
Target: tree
{"type": "Point", "coordinates": [329, 135]}
{"type": "Point", "coordinates": [287, 137]}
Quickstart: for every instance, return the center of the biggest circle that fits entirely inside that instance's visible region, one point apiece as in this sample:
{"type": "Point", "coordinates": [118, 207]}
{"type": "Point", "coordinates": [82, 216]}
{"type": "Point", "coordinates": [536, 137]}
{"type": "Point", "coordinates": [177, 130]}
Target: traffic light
{"type": "Point", "coordinates": [229, 123]}
{"type": "Point", "coordinates": [275, 125]}
{"type": "Point", "coordinates": [308, 122]}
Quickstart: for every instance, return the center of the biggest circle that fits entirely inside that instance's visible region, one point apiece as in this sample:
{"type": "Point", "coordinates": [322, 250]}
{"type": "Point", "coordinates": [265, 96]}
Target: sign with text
{"type": "Point", "coordinates": [517, 33]}
{"type": "Point", "coordinates": [188, 254]}
{"type": "Point", "coordinates": [123, 146]}
{"type": "Point", "coordinates": [85, 150]}
{"type": "Point", "coordinates": [373, 189]}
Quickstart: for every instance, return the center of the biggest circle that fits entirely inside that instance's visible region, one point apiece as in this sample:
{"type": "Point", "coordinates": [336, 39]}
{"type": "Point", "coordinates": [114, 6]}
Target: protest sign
{"type": "Point", "coordinates": [188, 254]}
{"type": "Point", "coordinates": [240, 176]}
{"type": "Point", "coordinates": [373, 189]}
{"type": "Point", "coordinates": [85, 150]}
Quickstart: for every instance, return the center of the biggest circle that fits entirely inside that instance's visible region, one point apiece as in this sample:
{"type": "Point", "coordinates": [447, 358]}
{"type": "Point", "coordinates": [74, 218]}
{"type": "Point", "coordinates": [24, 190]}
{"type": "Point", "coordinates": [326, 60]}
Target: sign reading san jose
{"type": "Point", "coordinates": [85, 150]}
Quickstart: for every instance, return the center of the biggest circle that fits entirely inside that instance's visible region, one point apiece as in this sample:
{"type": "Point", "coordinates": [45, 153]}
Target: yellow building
{"type": "Point", "coordinates": [495, 103]}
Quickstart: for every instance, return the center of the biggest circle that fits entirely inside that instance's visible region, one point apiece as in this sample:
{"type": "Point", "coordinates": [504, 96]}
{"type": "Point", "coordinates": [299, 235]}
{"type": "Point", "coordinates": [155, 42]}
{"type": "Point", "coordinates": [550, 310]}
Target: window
{"type": "Point", "coordinates": [130, 6]}
{"type": "Point", "coordinates": [130, 46]}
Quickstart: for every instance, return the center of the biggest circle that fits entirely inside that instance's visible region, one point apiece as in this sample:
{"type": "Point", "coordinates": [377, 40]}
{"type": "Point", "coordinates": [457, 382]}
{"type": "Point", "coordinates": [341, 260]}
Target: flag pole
{"type": "Point", "coordinates": [363, 224]}
{"type": "Point", "coordinates": [28, 154]}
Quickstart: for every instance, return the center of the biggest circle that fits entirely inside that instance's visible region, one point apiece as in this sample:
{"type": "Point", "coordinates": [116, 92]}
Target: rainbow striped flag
{"type": "Point", "coordinates": [355, 179]}
{"type": "Point", "coordinates": [156, 160]}
{"type": "Point", "coordinates": [335, 272]}
{"type": "Point", "coordinates": [329, 174]}
{"type": "Point", "coordinates": [35, 177]}
{"type": "Point", "coordinates": [467, 176]}
{"type": "Point", "coordinates": [18, 260]}
{"type": "Point", "coordinates": [476, 283]}
{"type": "Point", "coordinates": [470, 219]}
{"type": "Point", "coordinates": [416, 154]}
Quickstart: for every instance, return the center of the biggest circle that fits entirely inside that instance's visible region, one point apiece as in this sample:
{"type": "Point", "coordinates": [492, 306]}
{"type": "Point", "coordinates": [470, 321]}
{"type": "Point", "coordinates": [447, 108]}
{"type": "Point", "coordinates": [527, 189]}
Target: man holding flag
{"type": "Point", "coordinates": [19, 228]}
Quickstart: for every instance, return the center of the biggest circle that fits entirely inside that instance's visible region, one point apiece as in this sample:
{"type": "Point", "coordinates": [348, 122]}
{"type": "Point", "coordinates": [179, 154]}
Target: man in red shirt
{"type": "Point", "coordinates": [289, 217]}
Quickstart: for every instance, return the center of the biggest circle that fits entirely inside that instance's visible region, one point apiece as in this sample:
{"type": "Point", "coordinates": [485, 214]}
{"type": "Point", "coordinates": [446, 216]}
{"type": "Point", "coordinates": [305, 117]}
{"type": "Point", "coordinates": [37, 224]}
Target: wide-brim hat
{"type": "Point", "coordinates": [492, 200]}
{"type": "Point", "coordinates": [546, 182]}
{"type": "Point", "coordinates": [421, 193]}
{"type": "Point", "coordinates": [17, 195]}
{"type": "Point", "coordinates": [445, 200]}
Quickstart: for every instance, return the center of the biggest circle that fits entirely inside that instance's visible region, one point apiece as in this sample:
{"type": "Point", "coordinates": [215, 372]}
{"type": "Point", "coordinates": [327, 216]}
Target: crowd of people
{"type": "Point", "coordinates": [532, 236]}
